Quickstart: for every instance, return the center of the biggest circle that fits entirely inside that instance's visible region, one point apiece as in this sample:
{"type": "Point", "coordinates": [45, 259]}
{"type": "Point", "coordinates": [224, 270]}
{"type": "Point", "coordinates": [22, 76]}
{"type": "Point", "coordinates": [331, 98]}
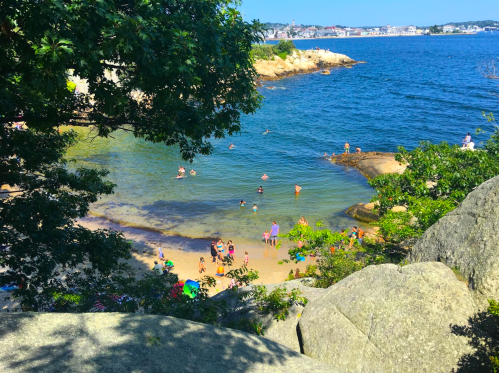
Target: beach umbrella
{"type": "Point", "coordinates": [191, 288]}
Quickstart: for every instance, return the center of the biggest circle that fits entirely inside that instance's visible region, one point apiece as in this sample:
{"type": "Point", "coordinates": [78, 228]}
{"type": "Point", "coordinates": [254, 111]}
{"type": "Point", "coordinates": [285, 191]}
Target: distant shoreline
{"type": "Point", "coordinates": [370, 36]}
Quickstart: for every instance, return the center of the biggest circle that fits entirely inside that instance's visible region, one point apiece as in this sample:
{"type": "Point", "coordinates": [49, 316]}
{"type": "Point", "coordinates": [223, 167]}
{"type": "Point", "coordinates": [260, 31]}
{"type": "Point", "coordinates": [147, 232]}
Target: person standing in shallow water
{"type": "Point", "coordinates": [297, 189]}
{"type": "Point", "coordinates": [274, 231]}
{"type": "Point", "coordinates": [347, 148]}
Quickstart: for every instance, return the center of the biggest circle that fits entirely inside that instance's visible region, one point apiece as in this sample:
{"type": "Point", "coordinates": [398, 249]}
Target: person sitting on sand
{"type": "Point", "coordinates": [357, 150]}
{"type": "Point", "coordinates": [169, 264]}
{"type": "Point", "coordinates": [242, 203]}
{"type": "Point", "coordinates": [265, 177]}
{"type": "Point", "coordinates": [192, 172]}
{"type": "Point", "coordinates": [260, 190]}
{"type": "Point", "coordinates": [471, 145]}
{"type": "Point", "coordinates": [347, 148]}
{"type": "Point", "coordinates": [466, 140]}
{"type": "Point", "coordinates": [220, 271]}
{"type": "Point", "coordinates": [297, 189]}
{"type": "Point", "coordinates": [158, 268]}
{"type": "Point", "coordinates": [201, 266]}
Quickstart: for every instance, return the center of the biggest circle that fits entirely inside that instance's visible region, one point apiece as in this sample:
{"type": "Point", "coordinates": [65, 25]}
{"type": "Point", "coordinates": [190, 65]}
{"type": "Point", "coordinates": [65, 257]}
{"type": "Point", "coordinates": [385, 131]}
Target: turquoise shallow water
{"type": "Point", "coordinates": [411, 89]}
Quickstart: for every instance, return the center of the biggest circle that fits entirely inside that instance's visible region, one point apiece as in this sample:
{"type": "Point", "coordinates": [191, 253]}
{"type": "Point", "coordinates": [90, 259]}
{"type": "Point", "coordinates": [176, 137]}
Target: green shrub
{"type": "Point", "coordinates": [262, 52]}
{"type": "Point", "coordinates": [278, 301]}
{"type": "Point", "coordinates": [283, 55]}
{"type": "Point", "coordinates": [284, 46]}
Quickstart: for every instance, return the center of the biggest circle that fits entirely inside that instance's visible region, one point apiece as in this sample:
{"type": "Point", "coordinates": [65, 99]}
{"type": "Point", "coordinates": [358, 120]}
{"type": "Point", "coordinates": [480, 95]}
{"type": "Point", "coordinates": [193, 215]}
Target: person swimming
{"type": "Point", "coordinates": [231, 146]}
{"type": "Point", "coordinates": [266, 132]}
{"type": "Point", "coordinates": [181, 170]}
{"type": "Point", "coordinates": [297, 188]}
{"type": "Point", "coordinates": [180, 176]}
{"type": "Point", "coordinates": [242, 203]}
{"type": "Point", "coordinates": [265, 177]}
{"type": "Point", "coordinates": [192, 172]}
{"type": "Point", "coordinates": [325, 154]}
{"type": "Point", "coordinates": [260, 190]}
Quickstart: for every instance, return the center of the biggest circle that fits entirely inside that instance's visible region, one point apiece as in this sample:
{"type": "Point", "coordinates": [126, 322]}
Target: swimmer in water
{"type": "Point", "coordinates": [325, 154]}
{"type": "Point", "coordinates": [297, 188]}
{"type": "Point", "coordinates": [260, 190]}
{"type": "Point", "coordinates": [255, 208]}
{"type": "Point", "coordinates": [266, 131]}
{"type": "Point", "coordinates": [180, 176]}
{"type": "Point", "coordinates": [242, 203]}
{"type": "Point", "coordinates": [265, 177]}
{"type": "Point", "coordinates": [231, 146]}
{"type": "Point", "coordinates": [181, 170]}
{"type": "Point", "coordinates": [192, 172]}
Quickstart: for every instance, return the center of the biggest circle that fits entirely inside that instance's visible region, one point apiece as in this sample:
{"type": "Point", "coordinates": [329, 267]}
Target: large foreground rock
{"type": "Point", "coordinates": [107, 342]}
{"type": "Point", "coordinates": [467, 239]}
{"type": "Point", "coordinates": [389, 318]}
{"type": "Point", "coordinates": [283, 331]}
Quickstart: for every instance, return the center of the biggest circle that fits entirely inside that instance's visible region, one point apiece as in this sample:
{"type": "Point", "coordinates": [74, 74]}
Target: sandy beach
{"type": "Point", "coordinates": [185, 253]}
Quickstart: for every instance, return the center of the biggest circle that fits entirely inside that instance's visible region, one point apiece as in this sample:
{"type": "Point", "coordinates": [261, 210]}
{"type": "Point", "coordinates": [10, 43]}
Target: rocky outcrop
{"type": "Point", "coordinates": [112, 342]}
{"type": "Point", "coordinates": [363, 212]}
{"type": "Point", "coordinates": [283, 332]}
{"type": "Point", "coordinates": [389, 318]}
{"type": "Point", "coordinates": [371, 164]}
{"type": "Point", "coordinates": [467, 239]}
{"type": "Point", "coordinates": [300, 62]}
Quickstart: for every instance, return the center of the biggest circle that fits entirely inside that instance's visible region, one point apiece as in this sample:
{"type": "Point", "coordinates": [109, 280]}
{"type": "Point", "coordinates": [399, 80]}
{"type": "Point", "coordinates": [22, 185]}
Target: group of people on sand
{"type": "Point", "coordinates": [346, 150]}
{"type": "Point", "coordinates": [217, 251]}
{"type": "Point", "coordinates": [181, 172]}
{"type": "Point", "coordinates": [162, 269]}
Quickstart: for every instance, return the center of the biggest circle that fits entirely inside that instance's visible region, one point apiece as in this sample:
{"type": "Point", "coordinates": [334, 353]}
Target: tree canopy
{"type": "Point", "coordinates": [171, 71]}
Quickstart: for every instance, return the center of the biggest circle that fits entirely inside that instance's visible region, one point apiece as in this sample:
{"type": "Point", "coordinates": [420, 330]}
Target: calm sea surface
{"type": "Point", "coordinates": [410, 89]}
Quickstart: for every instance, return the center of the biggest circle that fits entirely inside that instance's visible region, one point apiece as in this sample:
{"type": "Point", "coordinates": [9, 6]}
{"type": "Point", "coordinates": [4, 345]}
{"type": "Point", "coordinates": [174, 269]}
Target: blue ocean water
{"type": "Point", "coordinates": [410, 89]}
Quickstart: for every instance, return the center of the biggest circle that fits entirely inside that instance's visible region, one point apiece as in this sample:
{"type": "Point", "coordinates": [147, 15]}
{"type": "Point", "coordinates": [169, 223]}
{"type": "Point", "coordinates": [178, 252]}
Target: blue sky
{"type": "Point", "coordinates": [370, 12]}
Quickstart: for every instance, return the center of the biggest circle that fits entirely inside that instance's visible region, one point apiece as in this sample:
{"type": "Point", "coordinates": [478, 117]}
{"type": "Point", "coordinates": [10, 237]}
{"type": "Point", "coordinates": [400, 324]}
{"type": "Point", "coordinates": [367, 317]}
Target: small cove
{"type": "Point", "coordinates": [411, 89]}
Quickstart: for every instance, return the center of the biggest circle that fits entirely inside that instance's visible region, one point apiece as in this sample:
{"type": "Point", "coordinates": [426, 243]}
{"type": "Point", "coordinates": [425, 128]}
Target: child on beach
{"type": "Point", "coordinates": [246, 258]}
{"type": "Point", "coordinates": [160, 252]}
{"type": "Point", "coordinates": [347, 148]}
{"type": "Point", "coordinates": [266, 236]}
{"type": "Point", "coordinates": [255, 208]}
{"type": "Point", "coordinates": [202, 268]}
